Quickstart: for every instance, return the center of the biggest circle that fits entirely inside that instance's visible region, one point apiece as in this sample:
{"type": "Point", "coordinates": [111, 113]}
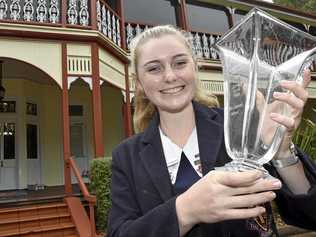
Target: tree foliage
{"type": "Point", "coordinates": [304, 5]}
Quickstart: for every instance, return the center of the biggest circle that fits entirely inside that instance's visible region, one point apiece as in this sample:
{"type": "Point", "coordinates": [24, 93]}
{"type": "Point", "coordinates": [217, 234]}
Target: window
{"type": "Point", "coordinates": [75, 110]}
{"type": "Point", "coordinates": [31, 109]}
{"type": "Point", "coordinates": [76, 140]}
{"type": "Point", "coordinates": [206, 17]}
{"type": "Point", "coordinates": [77, 131]}
{"type": "Point", "coordinates": [31, 141]}
{"type": "Point", "coordinates": [9, 141]}
{"type": "Point", "coordinates": [7, 106]}
{"type": "Point", "coordinates": [152, 12]}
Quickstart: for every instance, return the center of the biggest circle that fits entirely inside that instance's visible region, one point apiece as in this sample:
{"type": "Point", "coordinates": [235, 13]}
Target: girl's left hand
{"type": "Point", "coordinates": [296, 102]}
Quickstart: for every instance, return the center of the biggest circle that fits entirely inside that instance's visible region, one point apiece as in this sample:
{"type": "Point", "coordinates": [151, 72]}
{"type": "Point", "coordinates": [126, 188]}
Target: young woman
{"type": "Point", "coordinates": [180, 136]}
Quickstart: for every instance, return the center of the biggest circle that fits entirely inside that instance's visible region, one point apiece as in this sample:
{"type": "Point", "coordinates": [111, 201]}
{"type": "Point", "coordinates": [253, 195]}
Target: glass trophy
{"type": "Point", "coordinates": [256, 55]}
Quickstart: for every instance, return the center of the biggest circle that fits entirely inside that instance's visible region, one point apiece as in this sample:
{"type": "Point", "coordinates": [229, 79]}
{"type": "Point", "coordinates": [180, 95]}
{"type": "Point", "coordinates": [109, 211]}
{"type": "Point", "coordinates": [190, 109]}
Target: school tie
{"type": "Point", "coordinates": [186, 175]}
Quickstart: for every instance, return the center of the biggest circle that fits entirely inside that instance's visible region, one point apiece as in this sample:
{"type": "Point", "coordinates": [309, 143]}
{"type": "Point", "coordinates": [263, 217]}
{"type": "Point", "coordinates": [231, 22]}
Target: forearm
{"type": "Point", "coordinates": [295, 179]}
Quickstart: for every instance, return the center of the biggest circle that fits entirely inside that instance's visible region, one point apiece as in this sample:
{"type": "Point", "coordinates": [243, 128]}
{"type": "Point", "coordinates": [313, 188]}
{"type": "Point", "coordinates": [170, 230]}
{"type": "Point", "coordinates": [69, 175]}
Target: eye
{"type": "Point", "coordinates": [154, 69]}
{"type": "Point", "coordinates": [180, 63]}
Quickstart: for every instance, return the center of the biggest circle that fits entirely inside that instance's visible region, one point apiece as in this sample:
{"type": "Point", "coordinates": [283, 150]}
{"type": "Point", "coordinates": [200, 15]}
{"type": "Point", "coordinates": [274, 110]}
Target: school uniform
{"type": "Point", "coordinates": [143, 189]}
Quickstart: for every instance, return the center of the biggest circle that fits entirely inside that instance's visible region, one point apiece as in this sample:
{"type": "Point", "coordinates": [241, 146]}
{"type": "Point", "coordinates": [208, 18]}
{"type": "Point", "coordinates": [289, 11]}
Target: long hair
{"type": "Point", "coordinates": [144, 108]}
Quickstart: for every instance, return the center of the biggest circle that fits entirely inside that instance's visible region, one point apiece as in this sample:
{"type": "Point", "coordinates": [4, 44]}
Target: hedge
{"type": "Point", "coordinates": [100, 177]}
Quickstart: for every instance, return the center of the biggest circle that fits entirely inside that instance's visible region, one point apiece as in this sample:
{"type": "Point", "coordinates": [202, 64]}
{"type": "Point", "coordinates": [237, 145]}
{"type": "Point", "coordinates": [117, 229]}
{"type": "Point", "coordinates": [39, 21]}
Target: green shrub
{"type": "Point", "coordinates": [100, 186]}
{"type": "Point", "coordinates": [305, 137]}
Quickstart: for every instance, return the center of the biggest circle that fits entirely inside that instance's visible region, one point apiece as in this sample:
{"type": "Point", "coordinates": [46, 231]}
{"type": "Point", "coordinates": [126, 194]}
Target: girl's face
{"type": "Point", "coordinates": [166, 73]}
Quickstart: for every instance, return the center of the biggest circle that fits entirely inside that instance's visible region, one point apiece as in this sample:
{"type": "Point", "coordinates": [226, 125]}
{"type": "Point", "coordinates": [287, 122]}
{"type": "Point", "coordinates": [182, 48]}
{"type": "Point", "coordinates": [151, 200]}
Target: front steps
{"type": "Point", "coordinates": [48, 219]}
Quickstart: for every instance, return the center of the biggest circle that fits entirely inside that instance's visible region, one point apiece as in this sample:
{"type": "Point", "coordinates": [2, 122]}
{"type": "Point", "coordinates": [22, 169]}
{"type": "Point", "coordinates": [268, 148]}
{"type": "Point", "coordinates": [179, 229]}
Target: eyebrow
{"type": "Point", "coordinates": [175, 56]}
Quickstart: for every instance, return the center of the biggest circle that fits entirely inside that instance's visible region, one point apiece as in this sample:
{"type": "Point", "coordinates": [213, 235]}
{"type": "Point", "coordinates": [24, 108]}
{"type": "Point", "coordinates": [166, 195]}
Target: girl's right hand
{"type": "Point", "coordinates": [222, 195]}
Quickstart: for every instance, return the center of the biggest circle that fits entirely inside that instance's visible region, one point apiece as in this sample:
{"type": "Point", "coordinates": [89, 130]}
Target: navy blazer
{"type": "Point", "coordinates": [143, 199]}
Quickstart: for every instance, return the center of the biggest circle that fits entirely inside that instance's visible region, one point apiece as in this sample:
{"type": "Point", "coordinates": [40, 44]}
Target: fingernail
{"type": "Point", "coordinates": [273, 195]}
{"type": "Point", "coordinates": [276, 94]}
{"type": "Point", "coordinates": [262, 210]}
{"type": "Point", "coordinates": [277, 184]}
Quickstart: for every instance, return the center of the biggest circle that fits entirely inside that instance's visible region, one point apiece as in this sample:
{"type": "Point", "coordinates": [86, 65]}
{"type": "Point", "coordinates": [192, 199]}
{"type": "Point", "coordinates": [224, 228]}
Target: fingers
{"type": "Point", "coordinates": [233, 214]}
{"type": "Point", "coordinates": [236, 179]}
{"type": "Point", "coordinates": [287, 122]}
{"type": "Point", "coordinates": [250, 200]}
{"type": "Point", "coordinates": [261, 185]}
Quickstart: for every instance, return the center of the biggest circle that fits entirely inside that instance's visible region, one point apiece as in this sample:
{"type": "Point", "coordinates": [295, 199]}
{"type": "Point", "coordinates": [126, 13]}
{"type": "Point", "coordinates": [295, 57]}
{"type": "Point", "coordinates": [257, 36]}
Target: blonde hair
{"type": "Point", "coordinates": [144, 108]}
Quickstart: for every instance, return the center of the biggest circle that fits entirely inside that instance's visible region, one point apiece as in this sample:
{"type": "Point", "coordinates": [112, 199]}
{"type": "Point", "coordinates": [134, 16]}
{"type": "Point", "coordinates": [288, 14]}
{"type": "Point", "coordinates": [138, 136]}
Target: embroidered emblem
{"type": "Point", "coordinates": [262, 221]}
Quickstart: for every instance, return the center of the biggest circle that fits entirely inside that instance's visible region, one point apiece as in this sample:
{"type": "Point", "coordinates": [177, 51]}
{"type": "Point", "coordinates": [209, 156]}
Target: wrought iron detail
{"type": "Point", "coordinates": [103, 22]}
{"type": "Point", "coordinates": [72, 12]}
{"type": "Point", "coordinates": [109, 24]}
{"type": "Point", "coordinates": [129, 35]}
{"type": "Point", "coordinates": [41, 11]}
{"type": "Point", "coordinates": [53, 12]}
{"type": "Point", "coordinates": [84, 13]}
{"type": "Point", "coordinates": [28, 10]}
{"type": "Point", "coordinates": [99, 19]}
{"type": "Point", "coordinates": [118, 28]}
{"type": "Point", "coordinates": [3, 9]}
{"type": "Point", "coordinates": [113, 29]}
{"type": "Point", "coordinates": [15, 10]}
{"type": "Point", "coordinates": [206, 49]}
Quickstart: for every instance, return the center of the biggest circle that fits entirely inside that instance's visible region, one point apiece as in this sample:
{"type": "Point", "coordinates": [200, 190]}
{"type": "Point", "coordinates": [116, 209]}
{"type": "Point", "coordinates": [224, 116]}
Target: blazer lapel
{"type": "Point", "coordinates": [210, 136]}
{"type": "Point", "coordinates": [153, 159]}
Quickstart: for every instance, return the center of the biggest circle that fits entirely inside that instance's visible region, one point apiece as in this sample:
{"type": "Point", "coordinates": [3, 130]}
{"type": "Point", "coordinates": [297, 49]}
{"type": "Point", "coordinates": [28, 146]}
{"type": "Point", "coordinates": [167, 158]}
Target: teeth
{"type": "Point", "coordinates": [172, 90]}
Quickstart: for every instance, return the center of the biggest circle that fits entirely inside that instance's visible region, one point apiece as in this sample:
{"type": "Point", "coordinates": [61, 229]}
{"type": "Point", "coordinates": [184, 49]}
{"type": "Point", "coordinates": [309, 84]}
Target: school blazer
{"type": "Point", "coordinates": [143, 200]}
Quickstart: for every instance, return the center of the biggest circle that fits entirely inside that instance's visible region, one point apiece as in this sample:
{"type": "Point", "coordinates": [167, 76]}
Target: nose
{"type": "Point", "coordinates": [170, 75]}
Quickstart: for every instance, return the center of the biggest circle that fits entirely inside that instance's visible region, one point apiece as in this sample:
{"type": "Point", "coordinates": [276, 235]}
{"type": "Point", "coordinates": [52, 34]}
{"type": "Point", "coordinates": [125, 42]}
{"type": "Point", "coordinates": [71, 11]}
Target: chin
{"type": "Point", "coordinates": [175, 108]}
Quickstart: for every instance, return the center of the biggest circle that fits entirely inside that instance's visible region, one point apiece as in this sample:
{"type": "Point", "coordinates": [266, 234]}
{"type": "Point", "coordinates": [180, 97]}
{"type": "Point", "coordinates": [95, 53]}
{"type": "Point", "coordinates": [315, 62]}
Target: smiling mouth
{"type": "Point", "coordinates": [172, 90]}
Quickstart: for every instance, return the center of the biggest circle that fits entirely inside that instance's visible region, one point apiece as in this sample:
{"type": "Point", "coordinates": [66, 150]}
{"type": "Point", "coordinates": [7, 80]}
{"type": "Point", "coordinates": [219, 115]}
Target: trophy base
{"type": "Point", "coordinates": [240, 165]}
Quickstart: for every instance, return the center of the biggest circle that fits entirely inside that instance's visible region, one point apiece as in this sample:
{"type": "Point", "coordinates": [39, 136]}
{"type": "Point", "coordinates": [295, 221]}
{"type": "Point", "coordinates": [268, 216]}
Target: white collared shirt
{"type": "Point", "coordinates": [173, 153]}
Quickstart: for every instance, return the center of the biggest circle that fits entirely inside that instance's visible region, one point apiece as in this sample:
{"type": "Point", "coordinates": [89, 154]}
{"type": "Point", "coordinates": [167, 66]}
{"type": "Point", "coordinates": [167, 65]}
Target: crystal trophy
{"type": "Point", "coordinates": [256, 55]}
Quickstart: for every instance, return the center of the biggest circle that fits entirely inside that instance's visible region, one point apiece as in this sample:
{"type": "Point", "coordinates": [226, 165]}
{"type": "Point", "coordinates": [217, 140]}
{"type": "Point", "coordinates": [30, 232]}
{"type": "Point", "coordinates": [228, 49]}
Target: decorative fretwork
{"type": "Point", "coordinates": [201, 43]}
{"type": "Point", "coordinates": [213, 52]}
{"type": "Point", "coordinates": [72, 12]}
{"type": "Point", "coordinates": [198, 47]}
{"type": "Point", "coordinates": [84, 13]}
{"type": "Point", "coordinates": [109, 24]}
{"type": "Point", "coordinates": [28, 10]}
{"type": "Point", "coordinates": [3, 9]}
{"type": "Point", "coordinates": [53, 12]}
{"type": "Point", "coordinates": [206, 49]}
{"type": "Point", "coordinates": [15, 10]}
{"type": "Point", "coordinates": [118, 32]}
{"type": "Point", "coordinates": [138, 30]}
{"type": "Point", "coordinates": [99, 19]}
{"type": "Point", "coordinates": [129, 35]}
{"type": "Point", "coordinates": [41, 11]}
{"type": "Point", "coordinates": [113, 29]}
{"type": "Point", "coordinates": [79, 65]}
{"type": "Point", "coordinates": [103, 22]}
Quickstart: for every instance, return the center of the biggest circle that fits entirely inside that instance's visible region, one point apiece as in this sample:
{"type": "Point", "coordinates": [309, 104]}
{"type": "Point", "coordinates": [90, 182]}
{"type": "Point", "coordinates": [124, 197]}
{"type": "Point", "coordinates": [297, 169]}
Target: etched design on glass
{"type": "Point", "coordinates": [256, 55]}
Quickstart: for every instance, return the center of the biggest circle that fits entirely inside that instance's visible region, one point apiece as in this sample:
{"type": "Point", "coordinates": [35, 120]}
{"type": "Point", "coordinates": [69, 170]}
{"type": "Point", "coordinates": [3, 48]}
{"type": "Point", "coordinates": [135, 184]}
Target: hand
{"type": "Point", "coordinates": [296, 101]}
{"type": "Point", "coordinates": [224, 195]}
{"type": "Point", "coordinates": [272, 120]}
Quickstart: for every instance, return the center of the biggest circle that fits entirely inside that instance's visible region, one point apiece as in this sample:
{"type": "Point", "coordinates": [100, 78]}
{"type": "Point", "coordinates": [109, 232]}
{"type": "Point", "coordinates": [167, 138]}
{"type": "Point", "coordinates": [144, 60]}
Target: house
{"type": "Point", "coordinates": [67, 91]}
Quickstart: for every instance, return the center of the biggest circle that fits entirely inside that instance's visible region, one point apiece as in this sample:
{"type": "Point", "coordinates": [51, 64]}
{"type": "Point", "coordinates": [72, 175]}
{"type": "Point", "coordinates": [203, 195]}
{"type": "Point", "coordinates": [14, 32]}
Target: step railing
{"type": "Point", "coordinates": [91, 199]}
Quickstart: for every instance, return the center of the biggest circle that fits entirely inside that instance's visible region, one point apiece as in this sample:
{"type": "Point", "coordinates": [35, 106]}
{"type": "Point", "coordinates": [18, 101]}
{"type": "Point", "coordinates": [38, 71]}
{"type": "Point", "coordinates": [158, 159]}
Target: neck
{"type": "Point", "coordinates": [178, 126]}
